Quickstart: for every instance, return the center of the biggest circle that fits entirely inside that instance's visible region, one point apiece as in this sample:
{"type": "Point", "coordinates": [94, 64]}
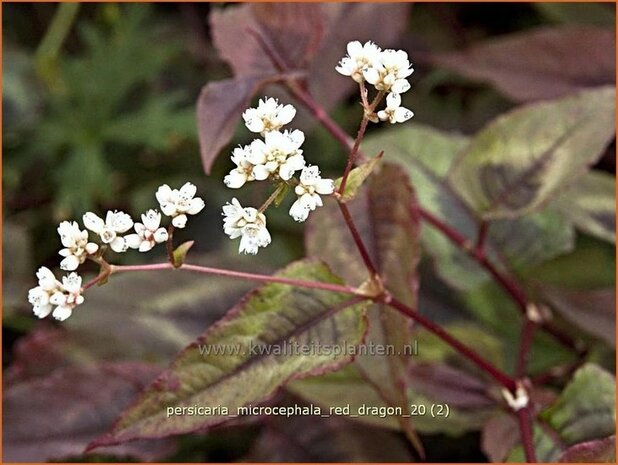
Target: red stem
{"type": "Point", "coordinates": [525, 344]}
{"type": "Point", "coordinates": [360, 245]}
{"type": "Point", "coordinates": [502, 378]}
{"type": "Point", "coordinates": [238, 275]}
{"type": "Point", "coordinates": [524, 418]}
{"type": "Point", "coordinates": [510, 286]}
{"type": "Point", "coordinates": [353, 153]}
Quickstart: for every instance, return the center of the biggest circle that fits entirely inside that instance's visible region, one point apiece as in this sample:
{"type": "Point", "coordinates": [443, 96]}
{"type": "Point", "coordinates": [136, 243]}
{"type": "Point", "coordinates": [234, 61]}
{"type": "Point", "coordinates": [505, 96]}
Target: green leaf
{"type": "Point", "coordinates": [590, 204]}
{"type": "Point", "coordinates": [427, 154]}
{"type": "Point", "coordinates": [385, 215]}
{"type": "Point", "coordinates": [270, 317]}
{"type": "Point", "coordinates": [523, 158]}
{"type": "Point", "coordinates": [180, 253]}
{"type": "Point", "coordinates": [584, 411]}
{"type": "Point", "coordinates": [356, 178]}
{"type": "Point", "coordinates": [597, 14]}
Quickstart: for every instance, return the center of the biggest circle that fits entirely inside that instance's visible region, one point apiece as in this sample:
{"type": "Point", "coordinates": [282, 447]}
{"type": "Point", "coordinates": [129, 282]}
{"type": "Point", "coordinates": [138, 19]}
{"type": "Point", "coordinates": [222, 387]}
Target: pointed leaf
{"type": "Point", "coordinates": [523, 158]}
{"type": "Point", "coordinates": [219, 109]}
{"type": "Point", "coordinates": [598, 451]}
{"type": "Point", "coordinates": [544, 63]}
{"type": "Point", "coordinates": [272, 317]}
{"type": "Point", "coordinates": [180, 253]}
{"type": "Point", "coordinates": [591, 205]}
{"type": "Point", "coordinates": [356, 178]}
{"type": "Point", "coordinates": [55, 416]}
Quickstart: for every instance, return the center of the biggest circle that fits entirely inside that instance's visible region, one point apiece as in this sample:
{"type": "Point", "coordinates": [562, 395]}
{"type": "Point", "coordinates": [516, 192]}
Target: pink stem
{"type": "Point", "coordinates": [524, 418]}
{"type": "Point", "coordinates": [238, 275]}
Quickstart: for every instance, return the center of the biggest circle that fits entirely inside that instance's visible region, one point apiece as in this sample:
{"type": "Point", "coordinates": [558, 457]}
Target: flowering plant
{"type": "Point", "coordinates": [486, 209]}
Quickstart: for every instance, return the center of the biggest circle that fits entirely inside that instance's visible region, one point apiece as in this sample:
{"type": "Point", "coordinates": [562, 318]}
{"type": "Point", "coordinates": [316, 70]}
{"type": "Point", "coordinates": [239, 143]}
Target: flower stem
{"type": "Point", "coordinates": [525, 344]}
{"type": "Point", "coordinates": [360, 245]}
{"type": "Point", "coordinates": [169, 244]}
{"type": "Point", "coordinates": [272, 197]}
{"type": "Point", "coordinates": [238, 275]}
{"type": "Point", "coordinates": [501, 377]}
{"type": "Point", "coordinates": [524, 418]}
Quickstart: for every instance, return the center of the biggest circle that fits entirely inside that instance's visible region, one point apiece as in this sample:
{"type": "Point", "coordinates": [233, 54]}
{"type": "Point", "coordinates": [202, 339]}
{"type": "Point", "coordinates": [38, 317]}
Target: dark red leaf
{"type": "Point", "coordinates": [601, 450]}
{"type": "Point", "coordinates": [219, 108]}
{"type": "Point", "coordinates": [55, 417]}
{"type": "Point", "coordinates": [542, 64]}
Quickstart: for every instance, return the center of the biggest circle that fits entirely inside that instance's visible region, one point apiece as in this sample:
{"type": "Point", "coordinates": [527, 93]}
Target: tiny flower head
{"type": "Point", "coordinates": [115, 223]}
{"type": "Point", "coordinates": [52, 296]}
{"type": "Point", "coordinates": [279, 154]}
{"type": "Point", "coordinates": [244, 168]}
{"type": "Point", "coordinates": [248, 224]}
{"type": "Point", "coordinates": [178, 203]}
{"type": "Point", "coordinates": [76, 245]}
{"type": "Point", "coordinates": [359, 59]}
{"type": "Point", "coordinates": [268, 116]}
{"type": "Point", "coordinates": [308, 190]}
{"type": "Point", "coordinates": [394, 112]}
{"type": "Point", "coordinates": [148, 232]}
{"type": "Point", "coordinates": [391, 73]}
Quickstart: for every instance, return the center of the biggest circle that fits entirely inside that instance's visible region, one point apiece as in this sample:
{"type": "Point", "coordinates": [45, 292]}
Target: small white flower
{"type": "Point", "coordinates": [391, 73]}
{"type": "Point", "coordinates": [246, 223]}
{"type": "Point", "coordinates": [268, 116]}
{"type": "Point", "coordinates": [278, 154]}
{"type": "Point", "coordinates": [50, 292]}
{"type": "Point", "coordinates": [359, 59]}
{"type": "Point", "coordinates": [308, 190]}
{"type": "Point", "coordinates": [76, 244]}
{"type": "Point", "coordinates": [178, 203]}
{"type": "Point", "coordinates": [244, 168]}
{"type": "Point", "coordinates": [148, 232]}
{"type": "Point", "coordinates": [115, 223]}
{"type": "Point", "coordinates": [394, 112]}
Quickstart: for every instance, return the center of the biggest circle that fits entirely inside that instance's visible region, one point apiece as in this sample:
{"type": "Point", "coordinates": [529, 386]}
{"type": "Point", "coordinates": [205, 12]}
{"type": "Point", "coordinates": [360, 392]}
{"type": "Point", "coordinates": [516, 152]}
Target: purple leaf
{"type": "Point", "coordinates": [600, 450]}
{"type": "Point", "coordinates": [542, 64]}
{"type": "Point", "coordinates": [56, 416]}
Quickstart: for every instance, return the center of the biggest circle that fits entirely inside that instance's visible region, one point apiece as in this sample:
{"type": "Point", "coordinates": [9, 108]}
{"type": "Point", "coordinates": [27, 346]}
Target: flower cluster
{"type": "Point", "coordinates": [387, 70]}
{"type": "Point", "coordinates": [60, 298]}
{"type": "Point", "coordinates": [277, 157]}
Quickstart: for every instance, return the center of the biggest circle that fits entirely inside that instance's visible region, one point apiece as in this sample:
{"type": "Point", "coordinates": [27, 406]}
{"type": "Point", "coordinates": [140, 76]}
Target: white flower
{"type": "Point", "coordinates": [76, 244]}
{"type": "Point", "coordinates": [268, 116]}
{"type": "Point", "coordinates": [394, 112]}
{"type": "Point", "coordinates": [115, 223]}
{"type": "Point", "coordinates": [68, 297]}
{"type": "Point", "coordinates": [148, 232]}
{"type": "Point", "coordinates": [278, 154]}
{"type": "Point", "coordinates": [308, 190]}
{"type": "Point", "coordinates": [50, 292]}
{"type": "Point", "coordinates": [244, 168]}
{"type": "Point", "coordinates": [246, 223]}
{"type": "Point", "coordinates": [391, 73]}
{"type": "Point", "coordinates": [359, 58]}
{"type": "Point", "coordinates": [178, 203]}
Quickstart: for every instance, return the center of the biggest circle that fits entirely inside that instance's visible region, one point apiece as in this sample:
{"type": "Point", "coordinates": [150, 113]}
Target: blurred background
{"type": "Point", "coordinates": [99, 110]}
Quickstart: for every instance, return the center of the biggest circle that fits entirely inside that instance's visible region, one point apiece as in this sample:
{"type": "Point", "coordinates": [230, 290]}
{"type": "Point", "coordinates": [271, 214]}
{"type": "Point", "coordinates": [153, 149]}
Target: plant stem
{"type": "Point", "coordinates": [354, 152]}
{"type": "Point", "coordinates": [238, 275]}
{"type": "Point", "coordinates": [524, 418]}
{"type": "Point", "coordinates": [502, 378]}
{"type": "Point", "coordinates": [509, 285]}
{"type": "Point", "coordinates": [272, 197]}
{"type": "Point", "coordinates": [169, 244]}
{"type": "Point", "coordinates": [360, 245]}
{"type": "Point", "coordinates": [482, 237]}
{"type": "Point", "coordinates": [525, 344]}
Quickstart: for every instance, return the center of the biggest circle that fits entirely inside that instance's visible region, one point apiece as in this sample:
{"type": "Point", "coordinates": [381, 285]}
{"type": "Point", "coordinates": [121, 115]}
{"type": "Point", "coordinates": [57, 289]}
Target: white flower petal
{"type": "Point", "coordinates": [70, 263]}
{"type": "Point", "coordinates": [196, 205]}
{"type": "Point", "coordinates": [93, 222]}
{"type": "Point", "coordinates": [61, 313]}
{"type": "Point", "coordinates": [160, 235]}
{"type": "Point", "coordinates": [179, 221]}
{"type": "Point", "coordinates": [151, 220]}
{"type": "Point", "coordinates": [163, 194]}
{"type": "Point", "coordinates": [42, 311]}
{"type": "Point", "coordinates": [119, 245]}
{"type": "Point", "coordinates": [236, 179]}
{"type": "Point", "coordinates": [402, 114]}
{"type": "Point", "coordinates": [91, 248]}
{"type": "Point", "coordinates": [325, 186]}
{"type": "Point", "coordinates": [146, 246]}
{"type": "Point", "coordinates": [188, 191]}
{"type": "Point", "coordinates": [133, 240]}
